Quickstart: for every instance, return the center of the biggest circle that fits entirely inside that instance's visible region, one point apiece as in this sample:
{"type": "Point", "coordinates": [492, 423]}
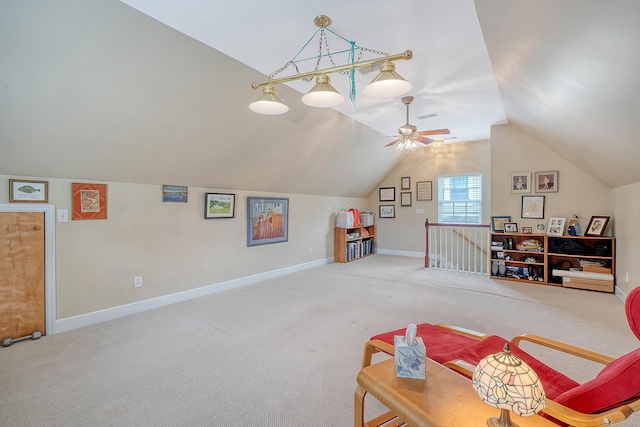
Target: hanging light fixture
{"type": "Point", "coordinates": [323, 95]}
{"type": "Point", "coordinates": [268, 103]}
{"type": "Point", "coordinates": [388, 84]}
{"type": "Point", "coordinates": [437, 143]}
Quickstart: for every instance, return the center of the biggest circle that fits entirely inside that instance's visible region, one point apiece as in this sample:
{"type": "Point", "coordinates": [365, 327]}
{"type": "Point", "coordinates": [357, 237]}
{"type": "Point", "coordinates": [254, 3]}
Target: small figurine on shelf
{"type": "Point", "coordinates": [574, 228]}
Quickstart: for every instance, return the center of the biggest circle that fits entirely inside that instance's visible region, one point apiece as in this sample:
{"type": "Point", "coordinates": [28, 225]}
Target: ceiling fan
{"type": "Point", "coordinates": [408, 136]}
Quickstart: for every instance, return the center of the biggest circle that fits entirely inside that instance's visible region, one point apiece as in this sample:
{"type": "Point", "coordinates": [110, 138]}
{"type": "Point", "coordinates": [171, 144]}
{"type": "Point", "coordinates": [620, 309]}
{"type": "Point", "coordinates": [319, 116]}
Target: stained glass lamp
{"type": "Point", "coordinates": [504, 381]}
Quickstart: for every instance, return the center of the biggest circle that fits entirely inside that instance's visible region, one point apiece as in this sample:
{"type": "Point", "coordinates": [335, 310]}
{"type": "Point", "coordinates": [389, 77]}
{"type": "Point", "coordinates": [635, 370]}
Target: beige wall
{"type": "Point", "coordinates": [170, 244]}
{"type": "Point", "coordinates": [514, 151]}
{"type": "Point", "coordinates": [626, 205]}
{"type": "Point", "coordinates": [406, 233]}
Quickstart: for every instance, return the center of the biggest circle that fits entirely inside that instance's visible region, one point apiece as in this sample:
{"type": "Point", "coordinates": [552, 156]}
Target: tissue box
{"type": "Point", "coordinates": [410, 359]}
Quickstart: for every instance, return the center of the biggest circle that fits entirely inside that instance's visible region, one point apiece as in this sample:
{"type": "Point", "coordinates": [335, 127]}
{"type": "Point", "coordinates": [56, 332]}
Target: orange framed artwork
{"type": "Point", "coordinates": [89, 201]}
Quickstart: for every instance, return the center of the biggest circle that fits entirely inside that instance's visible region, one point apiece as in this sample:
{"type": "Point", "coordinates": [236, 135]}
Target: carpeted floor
{"type": "Point", "coordinates": [281, 352]}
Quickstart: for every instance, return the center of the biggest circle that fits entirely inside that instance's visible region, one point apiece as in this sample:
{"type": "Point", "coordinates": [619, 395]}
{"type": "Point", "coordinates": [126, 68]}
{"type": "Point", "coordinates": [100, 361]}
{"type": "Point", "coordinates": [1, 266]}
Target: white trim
{"type": "Point", "coordinates": [400, 253]}
{"type": "Point", "coordinates": [49, 256]}
{"type": "Point", "coordinates": [79, 321]}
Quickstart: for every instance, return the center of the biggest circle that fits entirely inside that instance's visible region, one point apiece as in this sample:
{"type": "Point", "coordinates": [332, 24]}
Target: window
{"type": "Point", "coordinates": [460, 199]}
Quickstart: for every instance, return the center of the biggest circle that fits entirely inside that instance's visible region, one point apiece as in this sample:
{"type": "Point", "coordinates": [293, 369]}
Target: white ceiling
{"type": "Point", "coordinates": [103, 91]}
{"type": "Point", "coordinates": [450, 70]}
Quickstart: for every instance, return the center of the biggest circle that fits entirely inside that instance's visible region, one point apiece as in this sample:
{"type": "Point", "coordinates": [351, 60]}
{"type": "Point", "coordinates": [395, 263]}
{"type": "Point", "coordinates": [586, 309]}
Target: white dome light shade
{"type": "Point", "coordinates": [323, 95]}
{"type": "Point", "coordinates": [268, 103]}
{"type": "Point", "coordinates": [387, 84]}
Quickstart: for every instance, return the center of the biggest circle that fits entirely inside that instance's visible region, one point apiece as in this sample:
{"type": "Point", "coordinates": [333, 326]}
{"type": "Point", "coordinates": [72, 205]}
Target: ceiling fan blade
{"type": "Point", "coordinates": [425, 141]}
{"type": "Point", "coordinates": [395, 141]}
{"type": "Point", "coordinates": [435, 132]}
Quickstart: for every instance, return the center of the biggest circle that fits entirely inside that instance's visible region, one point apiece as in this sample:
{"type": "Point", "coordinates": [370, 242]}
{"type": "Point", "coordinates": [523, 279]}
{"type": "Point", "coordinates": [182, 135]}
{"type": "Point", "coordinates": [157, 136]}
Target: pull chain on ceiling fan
{"type": "Point", "coordinates": [408, 137]}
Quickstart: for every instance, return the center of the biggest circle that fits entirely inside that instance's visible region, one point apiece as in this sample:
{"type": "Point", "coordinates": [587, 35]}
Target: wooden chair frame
{"type": "Point", "coordinates": [558, 411]}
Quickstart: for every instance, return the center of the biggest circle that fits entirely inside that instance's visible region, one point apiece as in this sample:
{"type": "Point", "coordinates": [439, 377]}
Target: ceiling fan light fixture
{"type": "Point", "coordinates": [388, 83]}
{"type": "Point", "coordinates": [268, 103]}
{"type": "Point", "coordinates": [437, 143]}
{"type": "Point", "coordinates": [323, 95]}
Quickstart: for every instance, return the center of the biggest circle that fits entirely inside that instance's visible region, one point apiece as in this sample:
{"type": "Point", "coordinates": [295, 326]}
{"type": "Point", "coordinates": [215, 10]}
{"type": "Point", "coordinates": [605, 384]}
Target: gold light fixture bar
{"type": "Point", "coordinates": [407, 54]}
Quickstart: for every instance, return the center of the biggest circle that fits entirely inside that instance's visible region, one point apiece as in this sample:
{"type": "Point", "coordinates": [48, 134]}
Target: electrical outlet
{"type": "Point", "coordinates": [626, 277]}
{"type": "Point", "coordinates": [137, 282]}
{"type": "Point", "coordinates": [310, 251]}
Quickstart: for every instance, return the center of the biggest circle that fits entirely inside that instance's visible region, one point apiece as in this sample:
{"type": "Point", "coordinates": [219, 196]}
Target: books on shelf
{"type": "Point", "coordinates": [359, 249]}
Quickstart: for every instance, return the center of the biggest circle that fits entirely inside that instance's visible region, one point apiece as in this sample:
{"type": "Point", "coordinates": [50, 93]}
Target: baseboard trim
{"type": "Point", "coordinates": [400, 253]}
{"type": "Point", "coordinates": [79, 321]}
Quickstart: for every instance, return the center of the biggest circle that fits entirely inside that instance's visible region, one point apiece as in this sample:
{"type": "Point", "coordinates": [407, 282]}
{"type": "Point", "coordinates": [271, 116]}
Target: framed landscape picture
{"type": "Point", "coordinates": [267, 220]}
{"type": "Point", "coordinates": [89, 201]}
{"type": "Point", "coordinates": [175, 193]}
{"type": "Point", "coordinates": [219, 205]}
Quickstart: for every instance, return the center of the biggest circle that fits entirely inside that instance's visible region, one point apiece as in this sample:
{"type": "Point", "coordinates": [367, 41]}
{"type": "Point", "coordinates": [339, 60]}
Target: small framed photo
{"type": "Point", "coordinates": [387, 194]}
{"type": "Point", "coordinates": [219, 205]}
{"type": "Point", "coordinates": [88, 201]}
{"type": "Point", "coordinates": [547, 182]}
{"type": "Point", "coordinates": [405, 183]}
{"type": "Point", "coordinates": [527, 230]}
{"type": "Point", "coordinates": [387, 211]}
{"type": "Point", "coordinates": [498, 222]}
{"type": "Point", "coordinates": [597, 225]}
{"type": "Point", "coordinates": [520, 182]}
{"type": "Point", "coordinates": [28, 191]}
{"type": "Point", "coordinates": [405, 199]}
{"type": "Point", "coordinates": [175, 193]}
{"type": "Point", "coordinates": [532, 207]}
{"type": "Point", "coordinates": [510, 227]}
{"type": "Point", "coordinates": [556, 227]}
{"type": "Point", "coordinates": [423, 190]}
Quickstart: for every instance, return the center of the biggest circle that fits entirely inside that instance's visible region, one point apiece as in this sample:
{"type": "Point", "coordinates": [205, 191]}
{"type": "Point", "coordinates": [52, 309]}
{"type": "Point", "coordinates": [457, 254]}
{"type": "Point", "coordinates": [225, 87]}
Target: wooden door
{"type": "Point", "coordinates": [22, 261]}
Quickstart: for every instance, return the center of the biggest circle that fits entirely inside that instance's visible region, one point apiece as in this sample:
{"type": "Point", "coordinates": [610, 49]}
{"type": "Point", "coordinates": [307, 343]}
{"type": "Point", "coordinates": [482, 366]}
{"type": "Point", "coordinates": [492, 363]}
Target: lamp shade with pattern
{"type": "Point", "coordinates": [504, 381]}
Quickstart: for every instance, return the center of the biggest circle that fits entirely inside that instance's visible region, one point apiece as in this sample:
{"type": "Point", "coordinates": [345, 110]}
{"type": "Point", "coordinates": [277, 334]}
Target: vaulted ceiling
{"type": "Point", "coordinates": [156, 92]}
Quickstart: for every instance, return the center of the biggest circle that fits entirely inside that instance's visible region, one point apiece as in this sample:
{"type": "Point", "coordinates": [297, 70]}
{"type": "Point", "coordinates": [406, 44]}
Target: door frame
{"type": "Point", "coordinates": [49, 257]}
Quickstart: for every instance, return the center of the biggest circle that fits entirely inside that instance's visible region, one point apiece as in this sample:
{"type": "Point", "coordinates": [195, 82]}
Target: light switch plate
{"type": "Point", "coordinates": [419, 211]}
{"type": "Point", "coordinates": [63, 215]}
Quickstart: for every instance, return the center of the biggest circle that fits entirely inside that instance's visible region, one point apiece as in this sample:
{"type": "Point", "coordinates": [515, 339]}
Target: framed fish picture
{"type": "Point", "coordinates": [28, 191]}
{"type": "Point", "coordinates": [89, 201]}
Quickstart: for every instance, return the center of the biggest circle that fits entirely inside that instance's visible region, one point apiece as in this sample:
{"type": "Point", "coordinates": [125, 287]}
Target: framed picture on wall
{"type": "Point", "coordinates": [520, 182]}
{"type": "Point", "coordinates": [405, 182]}
{"type": "Point", "coordinates": [547, 182]}
{"type": "Point", "coordinates": [387, 194]}
{"type": "Point", "coordinates": [387, 211]}
{"type": "Point", "coordinates": [28, 191]}
{"type": "Point", "coordinates": [175, 193]}
{"type": "Point", "coordinates": [532, 207]}
{"type": "Point", "coordinates": [405, 199]}
{"type": "Point", "coordinates": [423, 190]}
{"type": "Point", "coordinates": [219, 205]}
{"type": "Point", "coordinates": [267, 220]}
{"type": "Point", "coordinates": [88, 201]}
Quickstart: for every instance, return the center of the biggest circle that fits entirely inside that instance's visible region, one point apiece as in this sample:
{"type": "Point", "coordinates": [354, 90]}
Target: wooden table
{"type": "Point", "coordinates": [444, 399]}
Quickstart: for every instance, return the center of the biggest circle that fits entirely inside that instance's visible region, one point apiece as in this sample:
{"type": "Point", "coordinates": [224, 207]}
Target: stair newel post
{"type": "Point", "coordinates": [426, 253]}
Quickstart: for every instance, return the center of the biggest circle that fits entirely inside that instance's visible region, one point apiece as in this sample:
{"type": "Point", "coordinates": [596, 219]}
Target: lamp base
{"type": "Point", "coordinates": [504, 420]}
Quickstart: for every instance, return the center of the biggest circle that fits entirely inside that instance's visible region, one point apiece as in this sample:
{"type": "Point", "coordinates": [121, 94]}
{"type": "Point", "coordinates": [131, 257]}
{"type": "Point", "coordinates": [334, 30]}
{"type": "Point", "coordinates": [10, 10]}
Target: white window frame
{"type": "Point", "coordinates": [468, 206]}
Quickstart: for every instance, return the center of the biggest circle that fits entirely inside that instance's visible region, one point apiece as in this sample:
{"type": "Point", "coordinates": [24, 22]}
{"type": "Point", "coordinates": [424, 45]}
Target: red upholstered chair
{"type": "Point", "coordinates": [613, 395]}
